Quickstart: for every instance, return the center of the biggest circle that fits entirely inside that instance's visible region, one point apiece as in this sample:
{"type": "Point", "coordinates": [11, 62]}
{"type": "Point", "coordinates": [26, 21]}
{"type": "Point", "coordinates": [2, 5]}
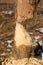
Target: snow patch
{"type": "Point", "coordinates": [7, 12]}
{"type": "Point", "coordinates": [40, 30]}
{"type": "Point", "coordinates": [37, 37]}
{"type": "Point", "coordinates": [9, 41]}
{"type": "Point", "coordinates": [3, 54]}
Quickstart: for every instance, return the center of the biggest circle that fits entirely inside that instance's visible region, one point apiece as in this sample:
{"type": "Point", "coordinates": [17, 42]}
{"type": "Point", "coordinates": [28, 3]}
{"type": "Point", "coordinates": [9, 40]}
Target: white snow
{"type": "Point", "coordinates": [3, 54]}
{"type": "Point", "coordinates": [40, 42]}
{"type": "Point", "coordinates": [30, 32]}
{"type": "Point", "coordinates": [40, 30]}
{"type": "Point", "coordinates": [34, 44]}
{"type": "Point", "coordinates": [9, 41]}
{"type": "Point", "coordinates": [8, 49]}
{"type": "Point", "coordinates": [9, 46]}
{"type": "Point", "coordinates": [37, 37]}
{"type": "Point", "coordinates": [10, 12]}
{"type": "Point", "coordinates": [7, 12]}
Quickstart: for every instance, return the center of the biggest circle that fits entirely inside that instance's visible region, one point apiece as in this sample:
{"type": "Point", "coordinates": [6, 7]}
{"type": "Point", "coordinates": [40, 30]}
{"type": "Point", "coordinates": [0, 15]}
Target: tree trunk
{"type": "Point", "coordinates": [24, 9]}
{"type": "Point", "coordinates": [23, 42]}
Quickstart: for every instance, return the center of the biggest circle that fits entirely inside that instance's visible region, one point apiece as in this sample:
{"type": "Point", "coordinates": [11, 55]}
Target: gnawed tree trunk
{"type": "Point", "coordinates": [23, 42]}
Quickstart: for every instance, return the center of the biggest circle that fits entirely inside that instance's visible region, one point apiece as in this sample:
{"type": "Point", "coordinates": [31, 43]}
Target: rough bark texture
{"type": "Point", "coordinates": [24, 9]}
